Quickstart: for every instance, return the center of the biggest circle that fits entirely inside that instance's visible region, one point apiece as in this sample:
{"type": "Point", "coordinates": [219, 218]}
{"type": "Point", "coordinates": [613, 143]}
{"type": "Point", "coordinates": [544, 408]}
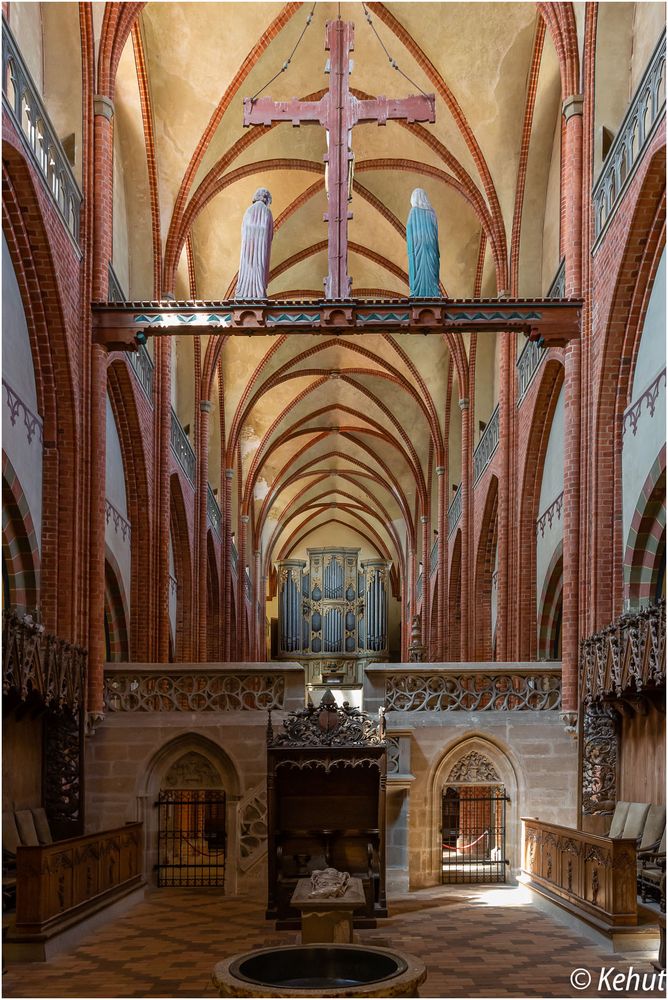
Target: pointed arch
{"type": "Point", "coordinates": [178, 522]}
{"type": "Point", "coordinates": [454, 600]}
{"type": "Point", "coordinates": [124, 408]}
{"type": "Point", "coordinates": [646, 542]}
{"type": "Point", "coordinates": [20, 551]}
{"type": "Point", "coordinates": [115, 612]}
{"type": "Point", "coordinates": [484, 569]}
{"type": "Point", "coordinates": [644, 241]}
{"type": "Point", "coordinates": [545, 403]}
{"type": "Point", "coordinates": [214, 626]}
{"type": "Point", "coordinates": [551, 603]}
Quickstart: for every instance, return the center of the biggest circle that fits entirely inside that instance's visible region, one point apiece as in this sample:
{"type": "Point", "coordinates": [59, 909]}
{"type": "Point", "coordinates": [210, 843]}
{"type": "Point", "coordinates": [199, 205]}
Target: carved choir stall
{"type": "Point", "coordinates": [326, 783]}
{"type": "Point", "coordinates": [333, 614]}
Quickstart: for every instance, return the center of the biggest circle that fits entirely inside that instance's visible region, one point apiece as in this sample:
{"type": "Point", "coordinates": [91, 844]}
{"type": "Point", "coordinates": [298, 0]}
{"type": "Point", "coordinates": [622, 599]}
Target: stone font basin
{"type": "Point", "coordinates": [322, 970]}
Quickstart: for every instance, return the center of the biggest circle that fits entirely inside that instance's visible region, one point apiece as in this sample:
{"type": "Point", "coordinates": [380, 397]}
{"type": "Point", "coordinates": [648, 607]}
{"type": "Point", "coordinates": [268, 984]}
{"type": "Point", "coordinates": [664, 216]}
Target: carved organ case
{"type": "Point", "coordinates": [326, 787]}
{"type": "Point", "coordinates": [333, 608]}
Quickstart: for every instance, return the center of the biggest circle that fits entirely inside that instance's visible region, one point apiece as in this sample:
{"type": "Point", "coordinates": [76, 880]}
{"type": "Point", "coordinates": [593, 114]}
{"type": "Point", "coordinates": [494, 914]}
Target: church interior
{"type": "Point", "coordinates": [333, 498]}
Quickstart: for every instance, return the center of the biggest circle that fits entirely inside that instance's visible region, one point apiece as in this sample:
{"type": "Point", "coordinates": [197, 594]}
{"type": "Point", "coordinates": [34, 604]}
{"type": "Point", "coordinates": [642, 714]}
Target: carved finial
{"type": "Point", "coordinates": [270, 728]}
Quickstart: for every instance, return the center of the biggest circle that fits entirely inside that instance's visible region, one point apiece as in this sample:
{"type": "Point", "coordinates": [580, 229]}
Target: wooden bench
{"type": "Point", "coordinates": [60, 885]}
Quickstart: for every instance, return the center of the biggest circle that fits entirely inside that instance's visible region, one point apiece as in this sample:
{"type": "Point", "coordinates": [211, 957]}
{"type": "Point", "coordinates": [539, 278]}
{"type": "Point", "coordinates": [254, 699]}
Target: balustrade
{"type": "Point", "coordinates": [489, 687]}
{"type": "Point", "coordinates": [433, 558]}
{"type": "Point", "coordinates": [455, 510]}
{"type": "Point", "coordinates": [645, 111]}
{"type": "Point", "coordinates": [155, 688]}
{"type": "Point", "coordinates": [487, 445]}
{"type": "Point", "coordinates": [23, 104]}
{"type": "Point", "coordinates": [183, 449]}
{"type": "Point", "coordinates": [213, 510]}
{"type": "Point", "coordinates": [142, 366]}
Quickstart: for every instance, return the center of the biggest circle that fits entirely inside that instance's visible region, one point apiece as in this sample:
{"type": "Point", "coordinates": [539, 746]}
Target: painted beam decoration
{"type": "Point", "coordinates": [125, 326]}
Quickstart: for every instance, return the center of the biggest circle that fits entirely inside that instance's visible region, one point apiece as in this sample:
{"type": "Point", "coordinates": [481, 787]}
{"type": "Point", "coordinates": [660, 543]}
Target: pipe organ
{"type": "Point", "coordinates": [333, 613]}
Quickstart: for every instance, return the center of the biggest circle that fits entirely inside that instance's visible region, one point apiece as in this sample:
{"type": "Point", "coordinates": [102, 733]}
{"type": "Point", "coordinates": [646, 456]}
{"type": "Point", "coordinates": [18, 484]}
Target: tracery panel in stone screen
{"type": "Point", "coordinates": [192, 838]}
{"type": "Point", "coordinates": [473, 834]}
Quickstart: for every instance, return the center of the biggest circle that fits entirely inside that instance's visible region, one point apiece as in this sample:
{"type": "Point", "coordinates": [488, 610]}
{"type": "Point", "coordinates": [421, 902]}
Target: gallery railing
{"type": "Point", "coordinates": [183, 449]}
{"type": "Point", "coordinates": [487, 445]}
{"type": "Point", "coordinates": [142, 366]}
{"type": "Point", "coordinates": [490, 687]}
{"type": "Point", "coordinates": [213, 510]}
{"type": "Point", "coordinates": [196, 688]}
{"type": "Point", "coordinates": [418, 588]}
{"type": "Point", "coordinates": [455, 510]}
{"type": "Point", "coordinates": [635, 133]}
{"type": "Point", "coordinates": [433, 558]}
{"type": "Point", "coordinates": [533, 355]}
{"type": "Point", "coordinates": [24, 105]}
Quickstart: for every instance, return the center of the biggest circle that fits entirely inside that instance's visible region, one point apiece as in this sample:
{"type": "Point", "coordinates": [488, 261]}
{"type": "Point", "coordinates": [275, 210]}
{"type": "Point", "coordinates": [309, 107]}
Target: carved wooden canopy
{"type": "Point", "coordinates": [327, 725]}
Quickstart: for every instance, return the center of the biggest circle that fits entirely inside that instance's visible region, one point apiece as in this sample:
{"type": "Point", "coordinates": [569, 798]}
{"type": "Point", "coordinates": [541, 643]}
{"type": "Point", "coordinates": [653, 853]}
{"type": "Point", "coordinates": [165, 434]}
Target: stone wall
{"type": "Point", "coordinates": [131, 752]}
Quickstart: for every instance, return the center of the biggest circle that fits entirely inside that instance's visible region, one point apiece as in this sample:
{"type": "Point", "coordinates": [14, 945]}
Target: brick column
{"type": "Point", "coordinates": [572, 154]}
{"type": "Point", "coordinates": [202, 562]}
{"type": "Point", "coordinates": [257, 600]}
{"type": "Point", "coordinates": [442, 578]}
{"type": "Point", "coordinates": [162, 504]}
{"type": "Point", "coordinates": [467, 498]}
{"type": "Point", "coordinates": [426, 618]}
{"type": "Point", "coordinates": [103, 139]}
{"type": "Point", "coordinates": [242, 637]}
{"type": "Point", "coordinates": [226, 510]}
{"type": "Point", "coordinates": [506, 372]}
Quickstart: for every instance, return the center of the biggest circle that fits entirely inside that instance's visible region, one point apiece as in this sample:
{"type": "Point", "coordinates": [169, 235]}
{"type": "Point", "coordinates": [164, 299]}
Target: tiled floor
{"type": "Point", "coordinates": [475, 941]}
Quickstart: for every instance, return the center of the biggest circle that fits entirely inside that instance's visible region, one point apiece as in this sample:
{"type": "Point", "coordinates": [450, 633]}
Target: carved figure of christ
{"type": "Point", "coordinates": [338, 111]}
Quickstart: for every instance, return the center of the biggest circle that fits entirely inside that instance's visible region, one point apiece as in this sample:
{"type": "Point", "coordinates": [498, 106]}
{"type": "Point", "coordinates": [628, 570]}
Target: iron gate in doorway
{"type": "Point", "coordinates": [191, 838]}
{"type": "Point", "coordinates": [473, 834]}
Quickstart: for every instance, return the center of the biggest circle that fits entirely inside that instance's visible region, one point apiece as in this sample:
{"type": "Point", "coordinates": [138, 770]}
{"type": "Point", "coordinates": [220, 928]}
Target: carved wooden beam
{"type": "Point", "coordinates": [123, 326]}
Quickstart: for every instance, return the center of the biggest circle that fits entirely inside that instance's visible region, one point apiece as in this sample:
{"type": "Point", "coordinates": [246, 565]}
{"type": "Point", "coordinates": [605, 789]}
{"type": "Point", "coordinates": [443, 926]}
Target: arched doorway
{"type": "Point", "coordinates": [475, 814]}
{"type": "Point", "coordinates": [473, 828]}
{"type": "Point", "coordinates": [192, 831]}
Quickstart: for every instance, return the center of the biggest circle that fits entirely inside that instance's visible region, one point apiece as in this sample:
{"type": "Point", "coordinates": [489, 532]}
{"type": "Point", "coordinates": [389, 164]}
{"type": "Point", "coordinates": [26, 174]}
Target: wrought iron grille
{"type": "Point", "coordinates": [192, 838]}
{"type": "Point", "coordinates": [473, 834]}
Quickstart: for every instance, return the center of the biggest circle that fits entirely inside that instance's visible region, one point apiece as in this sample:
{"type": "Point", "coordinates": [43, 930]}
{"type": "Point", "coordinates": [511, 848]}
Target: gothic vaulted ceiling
{"type": "Point", "coordinates": [352, 429]}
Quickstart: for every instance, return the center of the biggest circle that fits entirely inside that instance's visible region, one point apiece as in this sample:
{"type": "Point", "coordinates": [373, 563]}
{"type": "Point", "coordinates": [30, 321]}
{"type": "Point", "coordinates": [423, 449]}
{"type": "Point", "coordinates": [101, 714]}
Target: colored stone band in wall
{"type": "Point", "coordinates": [193, 692]}
{"type": "Point", "coordinates": [628, 655]}
{"type": "Point", "coordinates": [472, 692]}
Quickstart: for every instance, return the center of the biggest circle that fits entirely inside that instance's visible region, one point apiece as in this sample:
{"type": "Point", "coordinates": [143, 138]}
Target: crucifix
{"type": "Point", "coordinates": [338, 111]}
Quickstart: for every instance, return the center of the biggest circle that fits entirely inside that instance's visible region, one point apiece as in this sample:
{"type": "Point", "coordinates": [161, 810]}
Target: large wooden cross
{"type": "Point", "coordinates": [339, 111]}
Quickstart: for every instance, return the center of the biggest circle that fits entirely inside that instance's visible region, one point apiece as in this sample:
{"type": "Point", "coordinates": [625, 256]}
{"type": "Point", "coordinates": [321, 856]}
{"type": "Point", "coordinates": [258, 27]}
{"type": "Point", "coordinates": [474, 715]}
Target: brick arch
{"type": "Point", "coordinates": [633, 282]}
{"type": "Point", "coordinates": [178, 522]}
{"type": "Point", "coordinates": [646, 542]}
{"type": "Point", "coordinates": [551, 604]}
{"type": "Point", "coordinates": [20, 552]}
{"type": "Point", "coordinates": [545, 403]}
{"type": "Point", "coordinates": [128, 425]}
{"type": "Point", "coordinates": [213, 620]}
{"type": "Point", "coordinates": [115, 612]}
{"type": "Point", "coordinates": [26, 214]}
{"type": "Point", "coordinates": [454, 600]}
{"type": "Point", "coordinates": [484, 569]}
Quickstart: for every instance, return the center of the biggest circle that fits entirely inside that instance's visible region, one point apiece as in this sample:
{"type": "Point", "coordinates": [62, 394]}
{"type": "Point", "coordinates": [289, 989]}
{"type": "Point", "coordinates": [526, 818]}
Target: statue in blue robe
{"type": "Point", "coordinates": [423, 253]}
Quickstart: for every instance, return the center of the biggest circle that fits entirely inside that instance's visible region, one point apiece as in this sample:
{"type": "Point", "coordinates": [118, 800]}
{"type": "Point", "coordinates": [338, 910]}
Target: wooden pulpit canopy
{"type": "Point", "coordinates": [326, 778]}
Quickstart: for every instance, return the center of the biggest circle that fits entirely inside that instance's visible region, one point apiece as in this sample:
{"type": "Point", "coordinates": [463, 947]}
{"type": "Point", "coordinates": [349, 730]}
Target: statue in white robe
{"type": "Point", "coordinates": [423, 253]}
{"type": "Point", "coordinates": [257, 231]}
